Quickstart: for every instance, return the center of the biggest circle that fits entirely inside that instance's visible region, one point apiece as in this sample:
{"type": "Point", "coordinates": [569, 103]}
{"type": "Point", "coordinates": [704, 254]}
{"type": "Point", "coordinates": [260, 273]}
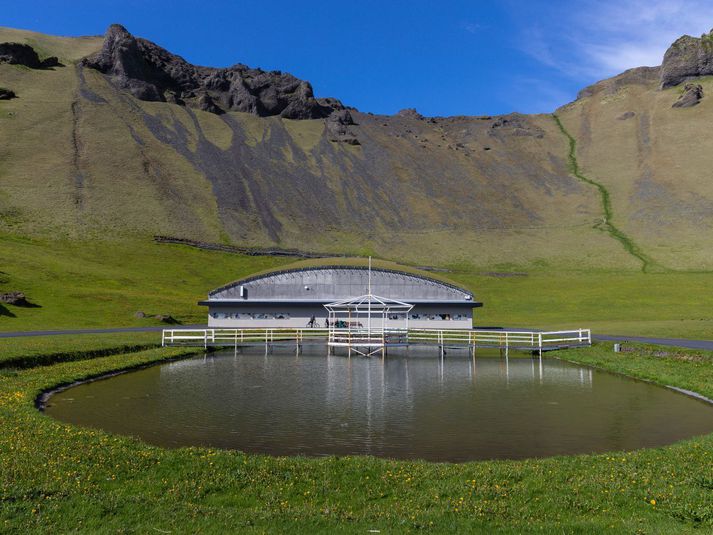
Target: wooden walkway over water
{"type": "Point", "coordinates": [370, 342]}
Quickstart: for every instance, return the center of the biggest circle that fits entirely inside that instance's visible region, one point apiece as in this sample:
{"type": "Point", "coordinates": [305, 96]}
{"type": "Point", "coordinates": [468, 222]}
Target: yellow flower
{"type": "Point", "coordinates": [652, 502]}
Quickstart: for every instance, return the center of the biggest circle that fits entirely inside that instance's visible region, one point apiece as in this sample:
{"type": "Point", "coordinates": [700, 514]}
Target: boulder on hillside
{"type": "Point", "coordinates": [515, 124]}
{"type": "Point", "coordinates": [6, 94]}
{"type": "Point", "coordinates": [338, 130]}
{"type": "Point", "coordinates": [691, 96]}
{"type": "Point", "coordinates": [152, 73]}
{"type": "Point", "coordinates": [332, 103]}
{"type": "Point", "coordinates": [410, 113]}
{"type": "Point", "coordinates": [17, 299]}
{"type": "Point", "coordinates": [688, 57]}
{"type": "Point", "coordinates": [22, 54]}
{"type": "Point", "coordinates": [165, 318]}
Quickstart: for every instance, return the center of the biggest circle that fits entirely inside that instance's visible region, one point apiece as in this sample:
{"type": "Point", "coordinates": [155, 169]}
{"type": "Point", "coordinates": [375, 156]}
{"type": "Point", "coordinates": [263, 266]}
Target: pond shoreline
{"type": "Point", "coordinates": [176, 420]}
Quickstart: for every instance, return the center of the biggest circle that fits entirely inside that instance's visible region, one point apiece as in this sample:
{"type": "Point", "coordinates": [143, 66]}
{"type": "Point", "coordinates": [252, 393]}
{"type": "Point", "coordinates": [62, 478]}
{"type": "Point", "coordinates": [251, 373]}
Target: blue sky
{"type": "Point", "coordinates": [443, 58]}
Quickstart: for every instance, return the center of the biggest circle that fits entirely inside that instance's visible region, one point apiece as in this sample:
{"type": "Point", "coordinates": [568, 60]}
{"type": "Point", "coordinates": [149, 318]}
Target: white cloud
{"type": "Point", "coordinates": [472, 27]}
{"type": "Point", "coordinates": [595, 39]}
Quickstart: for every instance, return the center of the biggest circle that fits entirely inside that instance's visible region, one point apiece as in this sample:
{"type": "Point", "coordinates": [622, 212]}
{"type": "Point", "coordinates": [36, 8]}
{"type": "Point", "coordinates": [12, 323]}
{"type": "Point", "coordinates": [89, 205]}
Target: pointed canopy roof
{"type": "Point", "coordinates": [368, 301]}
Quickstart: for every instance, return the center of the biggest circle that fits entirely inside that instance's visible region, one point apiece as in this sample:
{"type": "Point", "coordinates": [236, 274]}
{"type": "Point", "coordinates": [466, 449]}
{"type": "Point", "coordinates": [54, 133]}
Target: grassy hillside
{"type": "Point", "coordinates": [654, 161]}
{"type": "Point", "coordinates": [99, 284]}
{"type": "Point", "coordinates": [82, 160]}
{"type": "Point", "coordinates": [583, 203]}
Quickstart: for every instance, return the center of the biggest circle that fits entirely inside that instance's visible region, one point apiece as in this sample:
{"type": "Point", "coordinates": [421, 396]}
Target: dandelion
{"type": "Point", "coordinates": [652, 501]}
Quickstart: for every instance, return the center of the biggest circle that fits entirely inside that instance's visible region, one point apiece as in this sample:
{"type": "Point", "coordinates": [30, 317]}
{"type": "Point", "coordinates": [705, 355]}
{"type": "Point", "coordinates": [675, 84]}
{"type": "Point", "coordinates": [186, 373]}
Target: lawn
{"type": "Point", "coordinates": [56, 477]}
{"type": "Point", "coordinates": [104, 283]}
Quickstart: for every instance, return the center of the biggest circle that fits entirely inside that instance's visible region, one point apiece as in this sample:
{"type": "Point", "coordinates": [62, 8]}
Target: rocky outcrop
{"type": "Point", "coordinates": [6, 94]}
{"type": "Point", "coordinates": [688, 57]}
{"type": "Point", "coordinates": [165, 318]}
{"type": "Point", "coordinates": [410, 113]}
{"type": "Point", "coordinates": [14, 298]}
{"type": "Point", "coordinates": [635, 76]}
{"type": "Point", "coordinates": [21, 54]}
{"type": "Point", "coordinates": [338, 130]}
{"type": "Point", "coordinates": [515, 124]}
{"type": "Point", "coordinates": [150, 72]}
{"type": "Point", "coordinates": [692, 95]}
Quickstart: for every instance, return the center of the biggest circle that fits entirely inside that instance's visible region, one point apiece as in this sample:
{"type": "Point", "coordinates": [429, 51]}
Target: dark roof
{"type": "Point", "coordinates": [305, 302]}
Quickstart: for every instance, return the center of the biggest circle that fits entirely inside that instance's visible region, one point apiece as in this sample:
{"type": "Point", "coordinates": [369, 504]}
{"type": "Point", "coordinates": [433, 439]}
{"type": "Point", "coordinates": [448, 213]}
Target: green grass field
{"type": "Point", "coordinates": [103, 284]}
{"type": "Point", "coordinates": [56, 477]}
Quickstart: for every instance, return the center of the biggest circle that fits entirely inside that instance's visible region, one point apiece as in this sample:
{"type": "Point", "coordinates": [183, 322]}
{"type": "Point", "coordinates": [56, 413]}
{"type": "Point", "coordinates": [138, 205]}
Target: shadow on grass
{"type": "Point", "coordinates": [5, 312]}
{"type": "Point", "coordinates": [27, 304]}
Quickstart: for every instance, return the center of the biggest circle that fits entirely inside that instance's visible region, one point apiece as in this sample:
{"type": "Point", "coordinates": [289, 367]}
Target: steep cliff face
{"type": "Point", "coordinates": [151, 73]}
{"type": "Point", "coordinates": [688, 57]}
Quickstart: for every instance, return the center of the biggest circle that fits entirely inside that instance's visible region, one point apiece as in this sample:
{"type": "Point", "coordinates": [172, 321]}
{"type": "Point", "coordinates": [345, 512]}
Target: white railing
{"type": "Point", "coordinates": [520, 339]}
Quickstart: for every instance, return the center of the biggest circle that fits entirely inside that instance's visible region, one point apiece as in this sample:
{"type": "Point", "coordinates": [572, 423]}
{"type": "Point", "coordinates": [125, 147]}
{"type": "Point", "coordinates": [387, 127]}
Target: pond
{"type": "Point", "coordinates": [405, 407]}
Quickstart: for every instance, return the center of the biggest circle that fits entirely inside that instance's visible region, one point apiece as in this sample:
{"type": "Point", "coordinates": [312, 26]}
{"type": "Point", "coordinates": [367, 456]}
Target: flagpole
{"type": "Point", "coordinates": [368, 320]}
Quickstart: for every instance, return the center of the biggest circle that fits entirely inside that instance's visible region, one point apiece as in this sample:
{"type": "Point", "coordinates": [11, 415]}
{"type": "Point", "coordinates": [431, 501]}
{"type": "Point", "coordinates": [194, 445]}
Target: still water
{"type": "Point", "coordinates": [415, 407]}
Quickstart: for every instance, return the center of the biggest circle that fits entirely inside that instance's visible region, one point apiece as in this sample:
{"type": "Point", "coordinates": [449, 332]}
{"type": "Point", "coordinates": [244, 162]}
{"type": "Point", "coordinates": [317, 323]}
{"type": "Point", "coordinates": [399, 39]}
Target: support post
{"type": "Point", "coordinates": [539, 342]}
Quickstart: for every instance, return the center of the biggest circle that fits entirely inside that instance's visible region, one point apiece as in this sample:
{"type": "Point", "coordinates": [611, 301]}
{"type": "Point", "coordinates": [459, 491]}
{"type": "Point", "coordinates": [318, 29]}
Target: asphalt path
{"type": "Point", "coordinates": [674, 342]}
{"type": "Point", "coordinates": [59, 332]}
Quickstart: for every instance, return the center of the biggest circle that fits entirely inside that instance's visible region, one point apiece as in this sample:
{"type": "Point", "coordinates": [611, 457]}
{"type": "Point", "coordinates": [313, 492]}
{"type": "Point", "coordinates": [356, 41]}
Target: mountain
{"type": "Point", "coordinates": [115, 138]}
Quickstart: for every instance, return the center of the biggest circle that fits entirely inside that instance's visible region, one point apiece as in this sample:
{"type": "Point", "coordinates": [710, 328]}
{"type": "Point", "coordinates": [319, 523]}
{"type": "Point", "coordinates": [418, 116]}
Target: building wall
{"type": "Point", "coordinates": [447, 316]}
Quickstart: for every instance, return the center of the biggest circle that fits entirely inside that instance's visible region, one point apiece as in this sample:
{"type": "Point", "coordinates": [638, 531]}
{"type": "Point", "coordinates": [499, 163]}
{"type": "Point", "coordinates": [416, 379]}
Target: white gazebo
{"type": "Point", "coordinates": [368, 323]}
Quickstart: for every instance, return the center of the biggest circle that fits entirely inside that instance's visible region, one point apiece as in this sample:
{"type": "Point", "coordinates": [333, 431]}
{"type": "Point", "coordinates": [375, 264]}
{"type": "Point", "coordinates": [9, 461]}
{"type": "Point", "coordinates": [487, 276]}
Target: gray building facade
{"type": "Point", "coordinates": [291, 298]}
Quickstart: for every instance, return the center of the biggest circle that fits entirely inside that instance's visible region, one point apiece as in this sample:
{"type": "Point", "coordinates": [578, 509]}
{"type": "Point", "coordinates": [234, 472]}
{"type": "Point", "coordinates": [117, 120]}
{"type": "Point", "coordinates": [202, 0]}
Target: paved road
{"type": "Point", "coordinates": [675, 342]}
{"type": "Point", "coordinates": [17, 334]}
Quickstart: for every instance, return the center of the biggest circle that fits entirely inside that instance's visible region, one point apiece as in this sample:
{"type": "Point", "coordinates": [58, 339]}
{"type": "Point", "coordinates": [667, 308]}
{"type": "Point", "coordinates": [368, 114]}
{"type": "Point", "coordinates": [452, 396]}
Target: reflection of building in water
{"type": "Point", "coordinates": [297, 298]}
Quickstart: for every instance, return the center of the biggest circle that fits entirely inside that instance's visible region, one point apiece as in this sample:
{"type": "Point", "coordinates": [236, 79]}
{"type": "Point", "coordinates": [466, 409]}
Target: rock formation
{"type": "Point", "coordinates": [6, 94]}
{"type": "Point", "coordinates": [688, 57]}
{"type": "Point", "coordinates": [337, 125]}
{"type": "Point", "coordinates": [14, 298]}
{"type": "Point", "coordinates": [21, 54]}
{"type": "Point", "coordinates": [692, 95]}
{"type": "Point", "coordinates": [515, 124]}
{"type": "Point", "coordinates": [152, 73]}
{"type": "Point", "coordinates": [411, 113]}
{"type": "Point", "coordinates": [636, 76]}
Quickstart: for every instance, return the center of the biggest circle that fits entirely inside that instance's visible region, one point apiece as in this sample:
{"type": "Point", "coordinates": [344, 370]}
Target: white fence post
{"type": "Point", "coordinates": [539, 341]}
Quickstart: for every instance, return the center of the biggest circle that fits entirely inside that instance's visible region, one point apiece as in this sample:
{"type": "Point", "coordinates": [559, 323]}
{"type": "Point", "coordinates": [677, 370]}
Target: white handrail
{"type": "Point", "coordinates": [516, 339]}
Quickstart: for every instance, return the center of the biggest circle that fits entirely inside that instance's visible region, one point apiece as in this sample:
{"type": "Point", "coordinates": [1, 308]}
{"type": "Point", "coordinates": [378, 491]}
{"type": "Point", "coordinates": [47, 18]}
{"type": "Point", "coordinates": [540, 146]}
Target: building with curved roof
{"type": "Point", "coordinates": [298, 298]}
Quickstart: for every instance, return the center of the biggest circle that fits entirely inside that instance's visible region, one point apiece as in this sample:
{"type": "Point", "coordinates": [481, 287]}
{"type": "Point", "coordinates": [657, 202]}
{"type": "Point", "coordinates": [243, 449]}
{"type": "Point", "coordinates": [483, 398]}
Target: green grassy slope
{"type": "Point", "coordinates": [88, 174]}
{"type": "Point", "coordinates": [94, 284]}
{"type": "Point", "coordinates": [81, 160]}
{"type": "Point", "coordinates": [654, 162]}
{"type": "Point", "coordinates": [99, 284]}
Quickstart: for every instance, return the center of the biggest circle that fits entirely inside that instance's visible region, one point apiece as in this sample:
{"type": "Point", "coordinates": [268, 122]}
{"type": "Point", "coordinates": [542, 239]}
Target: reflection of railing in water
{"type": "Point", "coordinates": [380, 339]}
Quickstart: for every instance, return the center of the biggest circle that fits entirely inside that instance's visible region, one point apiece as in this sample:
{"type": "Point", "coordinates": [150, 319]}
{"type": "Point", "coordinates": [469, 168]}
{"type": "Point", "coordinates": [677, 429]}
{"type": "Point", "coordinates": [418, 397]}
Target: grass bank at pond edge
{"type": "Point", "coordinates": [57, 477]}
{"type": "Point", "coordinates": [28, 352]}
